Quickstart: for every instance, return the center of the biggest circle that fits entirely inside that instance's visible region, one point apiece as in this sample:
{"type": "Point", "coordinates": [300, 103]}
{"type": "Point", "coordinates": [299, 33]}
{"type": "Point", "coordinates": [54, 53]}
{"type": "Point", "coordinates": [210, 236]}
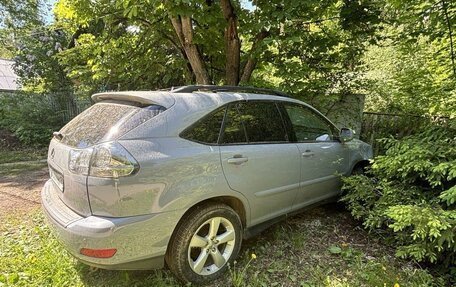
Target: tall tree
{"type": "Point", "coordinates": [17, 18]}
{"type": "Point", "coordinates": [412, 70]}
{"type": "Point", "coordinates": [156, 43]}
{"type": "Point", "coordinates": [435, 19]}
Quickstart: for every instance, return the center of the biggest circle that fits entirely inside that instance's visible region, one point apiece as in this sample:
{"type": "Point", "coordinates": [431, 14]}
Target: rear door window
{"type": "Point", "coordinates": [254, 122]}
{"type": "Point", "coordinates": [234, 130]}
{"type": "Point", "coordinates": [105, 121]}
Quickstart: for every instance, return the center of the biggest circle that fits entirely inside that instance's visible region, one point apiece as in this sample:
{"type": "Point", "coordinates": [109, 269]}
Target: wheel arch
{"type": "Point", "coordinates": [235, 203]}
{"type": "Point", "coordinates": [362, 164]}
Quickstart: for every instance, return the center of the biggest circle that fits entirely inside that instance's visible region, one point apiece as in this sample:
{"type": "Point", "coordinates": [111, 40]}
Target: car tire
{"type": "Point", "coordinates": [205, 243]}
{"type": "Point", "coordinates": [359, 170]}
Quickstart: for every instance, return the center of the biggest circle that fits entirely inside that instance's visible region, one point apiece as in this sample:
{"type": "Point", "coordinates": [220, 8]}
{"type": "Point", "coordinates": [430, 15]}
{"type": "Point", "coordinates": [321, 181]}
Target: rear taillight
{"type": "Point", "coordinates": [79, 160]}
{"type": "Point", "coordinates": [109, 160]}
{"type": "Point", "coordinates": [112, 160]}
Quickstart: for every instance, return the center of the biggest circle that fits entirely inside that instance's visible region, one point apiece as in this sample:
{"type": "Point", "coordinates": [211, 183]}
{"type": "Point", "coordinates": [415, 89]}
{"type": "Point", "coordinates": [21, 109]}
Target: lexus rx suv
{"type": "Point", "coordinates": [180, 177]}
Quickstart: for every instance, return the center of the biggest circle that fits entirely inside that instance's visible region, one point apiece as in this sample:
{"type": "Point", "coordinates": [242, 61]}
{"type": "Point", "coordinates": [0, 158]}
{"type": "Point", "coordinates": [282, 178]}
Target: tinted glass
{"type": "Point", "coordinates": [308, 125]}
{"type": "Point", "coordinates": [234, 132]}
{"type": "Point", "coordinates": [104, 122]}
{"type": "Point", "coordinates": [206, 130]}
{"type": "Point", "coordinates": [261, 121]}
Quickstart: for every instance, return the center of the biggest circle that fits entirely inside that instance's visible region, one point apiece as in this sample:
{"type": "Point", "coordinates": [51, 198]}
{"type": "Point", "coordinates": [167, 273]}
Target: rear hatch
{"type": "Point", "coordinates": [75, 142]}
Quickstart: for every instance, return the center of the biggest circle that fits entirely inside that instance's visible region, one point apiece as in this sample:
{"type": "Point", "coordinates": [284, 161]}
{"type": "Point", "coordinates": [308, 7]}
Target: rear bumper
{"type": "Point", "coordinates": [141, 241]}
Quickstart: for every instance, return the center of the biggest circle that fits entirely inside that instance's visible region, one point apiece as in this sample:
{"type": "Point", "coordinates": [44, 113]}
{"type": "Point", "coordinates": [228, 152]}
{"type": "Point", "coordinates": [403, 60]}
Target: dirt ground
{"type": "Point", "coordinates": [20, 193]}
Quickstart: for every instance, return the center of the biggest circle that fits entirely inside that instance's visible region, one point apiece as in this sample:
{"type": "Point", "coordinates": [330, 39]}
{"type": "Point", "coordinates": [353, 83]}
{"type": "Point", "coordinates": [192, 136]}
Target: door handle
{"type": "Point", "coordinates": [308, 153]}
{"type": "Point", "coordinates": [237, 159]}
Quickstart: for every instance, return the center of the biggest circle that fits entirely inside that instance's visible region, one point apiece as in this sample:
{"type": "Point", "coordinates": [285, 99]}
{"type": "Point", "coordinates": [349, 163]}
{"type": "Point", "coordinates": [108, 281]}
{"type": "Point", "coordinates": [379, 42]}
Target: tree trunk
{"type": "Point", "coordinates": [232, 42]}
{"type": "Point", "coordinates": [189, 75]}
{"type": "Point", "coordinates": [184, 30]}
{"type": "Point", "coordinates": [252, 60]}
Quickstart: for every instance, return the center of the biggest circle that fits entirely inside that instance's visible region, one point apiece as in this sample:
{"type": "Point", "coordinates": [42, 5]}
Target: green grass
{"type": "Point", "coordinates": [313, 249]}
{"type": "Point", "coordinates": [7, 156]}
{"type": "Point", "coordinates": [30, 255]}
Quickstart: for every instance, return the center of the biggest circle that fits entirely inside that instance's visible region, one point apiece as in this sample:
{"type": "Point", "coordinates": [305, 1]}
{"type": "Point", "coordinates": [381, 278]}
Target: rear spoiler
{"type": "Point", "coordinates": [164, 99]}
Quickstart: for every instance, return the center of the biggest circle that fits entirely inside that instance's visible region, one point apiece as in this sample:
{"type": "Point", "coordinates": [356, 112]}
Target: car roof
{"type": "Point", "coordinates": [188, 107]}
{"type": "Point", "coordinates": [196, 99]}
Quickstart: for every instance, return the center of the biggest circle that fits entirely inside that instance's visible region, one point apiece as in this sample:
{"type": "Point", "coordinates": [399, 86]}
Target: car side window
{"type": "Point", "coordinates": [254, 122]}
{"type": "Point", "coordinates": [207, 129]}
{"type": "Point", "coordinates": [234, 132]}
{"type": "Point", "coordinates": [308, 125]}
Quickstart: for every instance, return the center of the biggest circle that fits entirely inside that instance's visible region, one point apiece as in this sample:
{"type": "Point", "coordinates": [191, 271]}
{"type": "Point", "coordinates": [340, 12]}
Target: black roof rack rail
{"type": "Point", "coordinates": [213, 88]}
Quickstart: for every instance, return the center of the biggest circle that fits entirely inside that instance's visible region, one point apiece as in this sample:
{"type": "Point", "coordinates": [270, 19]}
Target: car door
{"type": "Point", "coordinates": [323, 157]}
{"type": "Point", "coordinates": [258, 159]}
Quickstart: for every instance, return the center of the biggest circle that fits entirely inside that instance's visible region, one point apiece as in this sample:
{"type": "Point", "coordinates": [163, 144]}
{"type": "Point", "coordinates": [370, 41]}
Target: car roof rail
{"type": "Point", "coordinates": [214, 88]}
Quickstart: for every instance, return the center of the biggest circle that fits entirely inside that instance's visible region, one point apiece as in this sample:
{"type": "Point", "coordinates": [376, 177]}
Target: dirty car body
{"type": "Point", "coordinates": [131, 175]}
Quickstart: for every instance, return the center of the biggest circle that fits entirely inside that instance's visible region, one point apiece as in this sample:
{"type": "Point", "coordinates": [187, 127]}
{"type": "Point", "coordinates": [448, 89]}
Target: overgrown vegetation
{"type": "Point", "coordinates": [319, 248]}
{"type": "Point", "coordinates": [410, 191]}
{"type": "Point", "coordinates": [33, 117]}
{"type": "Point", "coordinates": [30, 117]}
{"type": "Point", "coordinates": [400, 54]}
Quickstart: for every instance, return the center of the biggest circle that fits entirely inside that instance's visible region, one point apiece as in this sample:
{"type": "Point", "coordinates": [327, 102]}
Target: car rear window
{"type": "Point", "coordinates": [105, 121]}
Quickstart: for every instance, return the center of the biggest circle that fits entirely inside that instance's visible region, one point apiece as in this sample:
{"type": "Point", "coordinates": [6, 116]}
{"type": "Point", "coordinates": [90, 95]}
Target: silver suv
{"type": "Point", "coordinates": [182, 176]}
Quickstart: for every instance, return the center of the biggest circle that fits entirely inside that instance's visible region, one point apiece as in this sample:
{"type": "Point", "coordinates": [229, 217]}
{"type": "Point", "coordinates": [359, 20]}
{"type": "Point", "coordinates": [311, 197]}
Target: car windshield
{"type": "Point", "coordinates": [105, 121]}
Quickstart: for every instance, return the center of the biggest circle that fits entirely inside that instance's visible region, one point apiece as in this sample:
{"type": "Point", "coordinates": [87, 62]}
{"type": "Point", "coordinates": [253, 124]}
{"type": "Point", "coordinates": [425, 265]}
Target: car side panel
{"type": "Point", "coordinates": [174, 174]}
{"type": "Point", "coordinates": [269, 178]}
{"type": "Point", "coordinates": [359, 151]}
{"type": "Point", "coordinates": [322, 165]}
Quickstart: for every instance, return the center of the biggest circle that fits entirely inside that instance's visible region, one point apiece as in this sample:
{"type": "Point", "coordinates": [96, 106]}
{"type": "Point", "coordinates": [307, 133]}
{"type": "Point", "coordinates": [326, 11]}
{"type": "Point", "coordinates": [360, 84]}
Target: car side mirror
{"type": "Point", "coordinates": [346, 135]}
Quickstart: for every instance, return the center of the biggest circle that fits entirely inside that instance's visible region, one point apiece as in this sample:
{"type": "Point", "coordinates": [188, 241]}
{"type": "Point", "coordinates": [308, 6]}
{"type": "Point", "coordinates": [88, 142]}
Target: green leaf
{"type": "Point", "coordinates": [335, 249]}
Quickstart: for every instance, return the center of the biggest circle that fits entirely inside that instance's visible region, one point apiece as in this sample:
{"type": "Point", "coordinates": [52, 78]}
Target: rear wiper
{"type": "Point", "coordinates": [58, 135]}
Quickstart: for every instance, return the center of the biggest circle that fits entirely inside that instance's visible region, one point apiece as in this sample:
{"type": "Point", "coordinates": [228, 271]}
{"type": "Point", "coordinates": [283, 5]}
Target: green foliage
{"type": "Point", "coordinates": [410, 192]}
{"type": "Point", "coordinates": [20, 14]}
{"type": "Point", "coordinates": [33, 44]}
{"type": "Point", "coordinates": [427, 231]}
{"type": "Point", "coordinates": [427, 159]}
{"type": "Point", "coordinates": [31, 255]}
{"type": "Point", "coordinates": [412, 69]}
{"type": "Point", "coordinates": [132, 45]}
{"type": "Point", "coordinates": [31, 117]}
{"type": "Point", "coordinates": [36, 63]}
{"type": "Point", "coordinates": [412, 78]}
{"type": "Point", "coordinates": [238, 275]}
{"type": "Point", "coordinates": [316, 56]}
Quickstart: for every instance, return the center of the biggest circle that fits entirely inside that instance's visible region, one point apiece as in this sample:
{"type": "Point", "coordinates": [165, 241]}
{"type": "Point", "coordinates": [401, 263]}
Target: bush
{"type": "Point", "coordinates": [30, 117]}
{"type": "Point", "coordinates": [410, 192]}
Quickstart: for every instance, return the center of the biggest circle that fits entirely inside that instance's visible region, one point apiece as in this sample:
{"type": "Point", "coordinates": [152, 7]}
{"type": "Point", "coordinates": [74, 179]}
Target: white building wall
{"type": "Point", "coordinates": [8, 79]}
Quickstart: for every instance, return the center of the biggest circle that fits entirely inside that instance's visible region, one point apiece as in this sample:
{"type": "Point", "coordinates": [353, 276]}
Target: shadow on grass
{"type": "Point", "coordinates": [320, 247]}
{"type": "Point", "coordinates": [284, 250]}
{"type": "Point", "coordinates": [94, 277]}
{"type": "Point", "coordinates": [23, 173]}
{"type": "Point", "coordinates": [18, 155]}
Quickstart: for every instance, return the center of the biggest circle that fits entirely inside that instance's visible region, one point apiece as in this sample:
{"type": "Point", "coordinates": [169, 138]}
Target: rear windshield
{"type": "Point", "coordinates": [105, 121]}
